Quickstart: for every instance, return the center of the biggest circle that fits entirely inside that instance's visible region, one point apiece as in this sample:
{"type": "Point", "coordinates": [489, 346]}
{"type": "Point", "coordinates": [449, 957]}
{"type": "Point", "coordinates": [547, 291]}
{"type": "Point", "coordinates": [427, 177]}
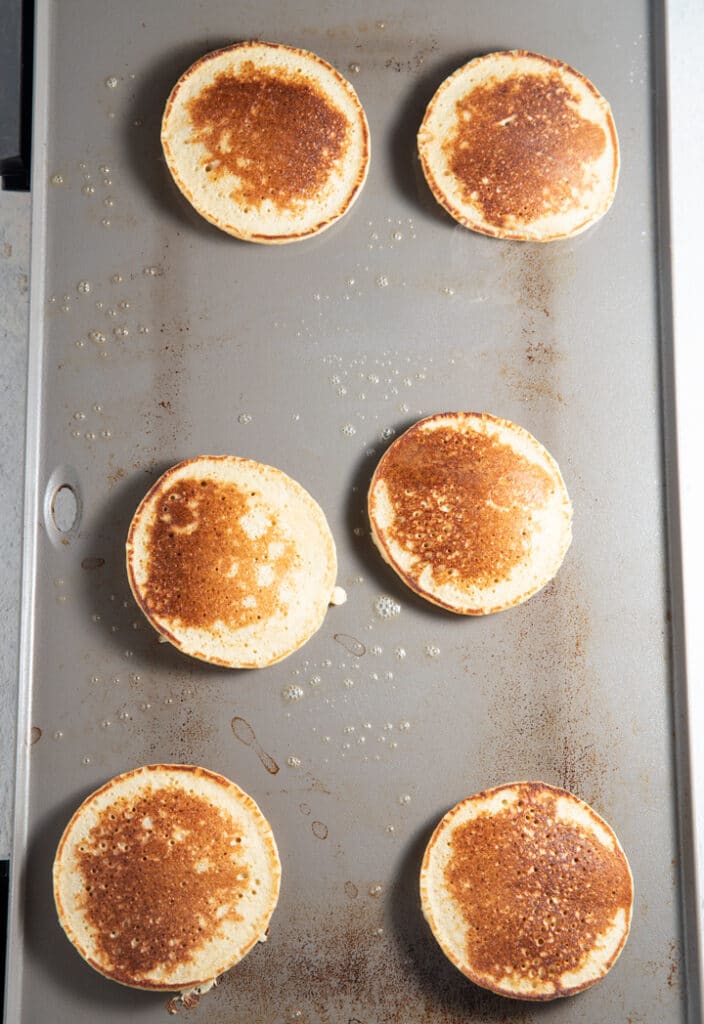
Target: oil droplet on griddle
{"type": "Point", "coordinates": [244, 418]}
{"type": "Point", "coordinates": [112, 82]}
{"type": "Point", "coordinates": [386, 607]}
{"type": "Point", "coordinates": [348, 429]}
{"type": "Point", "coordinates": [292, 692]}
{"type": "Point", "coordinates": [88, 190]}
{"type": "Point", "coordinates": [432, 650]}
{"type": "Point", "coordinates": [57, 179]}
{"type": "Point", "coordinates": [354, 68]}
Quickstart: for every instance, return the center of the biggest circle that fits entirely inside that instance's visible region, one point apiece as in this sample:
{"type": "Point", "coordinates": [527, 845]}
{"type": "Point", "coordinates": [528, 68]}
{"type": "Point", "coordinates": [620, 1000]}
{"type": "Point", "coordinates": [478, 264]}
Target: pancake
{"type": "Point", "coordinates": [527, 891]}
{"type": "Point", "coordinates": [231, 561]}
{"type": "Point", "coordinates": [267, 142]}
{"type": "Point", "coordinates": [471, 512]}
{"type": "Point", "coordinates": [165, 877]}
{"type": "Point", "coordinates": [520, 146]}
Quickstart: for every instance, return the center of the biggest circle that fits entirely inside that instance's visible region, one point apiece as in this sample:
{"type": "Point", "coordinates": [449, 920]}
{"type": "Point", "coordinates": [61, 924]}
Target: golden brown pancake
{"type": "Point", "coordinates": [165, 877]}
{"type": "Point", "coordinates": [520, 146]}
{"type": "Point", "coordinates": [231, 561]}
{"type": "Point", "coordinates": [527, 891]}
{"type": "Point", "coordinates": [268, 142]}
{"type": "Point", "coordinates": [471, 512]}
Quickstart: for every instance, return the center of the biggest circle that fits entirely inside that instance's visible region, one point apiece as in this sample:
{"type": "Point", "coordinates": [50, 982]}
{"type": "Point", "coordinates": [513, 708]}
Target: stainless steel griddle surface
{"type": "Point", "coordinates": [155, 337]}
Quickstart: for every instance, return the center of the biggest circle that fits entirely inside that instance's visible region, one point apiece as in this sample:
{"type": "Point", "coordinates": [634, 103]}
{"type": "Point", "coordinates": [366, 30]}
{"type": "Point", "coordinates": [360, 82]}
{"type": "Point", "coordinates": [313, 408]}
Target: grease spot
{"type": "Point", "coordinates": [351, 644]}
{"type": "Point", "coordinates": [244, 732]}
{"type": "Point", "coordinates": [320, 829]}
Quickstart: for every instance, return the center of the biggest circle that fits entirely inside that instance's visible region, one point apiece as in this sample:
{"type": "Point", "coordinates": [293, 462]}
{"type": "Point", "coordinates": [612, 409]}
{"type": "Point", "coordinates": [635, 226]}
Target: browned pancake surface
{"type": "Point", "coordinates": [190, 570]}
{"type": "Point", "coordinates": [535, 893]}
{"type": "Point", "coordinates": [520, 148]}
{"type": "Point", "coordinates": [156, 893]}
{"type": "Point", "coordinates": [439, 482]}
{"type": "Point", "coordinates": [275, 130]}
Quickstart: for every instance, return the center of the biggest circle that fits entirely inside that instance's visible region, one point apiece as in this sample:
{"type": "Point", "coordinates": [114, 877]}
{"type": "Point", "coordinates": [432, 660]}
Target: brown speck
{"type": "Point", "coordinates": [674, 970]}
{"type": "Point", "coordinates": [35, 735]}
{"type": "Point", "coordinates": [351, 891]}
